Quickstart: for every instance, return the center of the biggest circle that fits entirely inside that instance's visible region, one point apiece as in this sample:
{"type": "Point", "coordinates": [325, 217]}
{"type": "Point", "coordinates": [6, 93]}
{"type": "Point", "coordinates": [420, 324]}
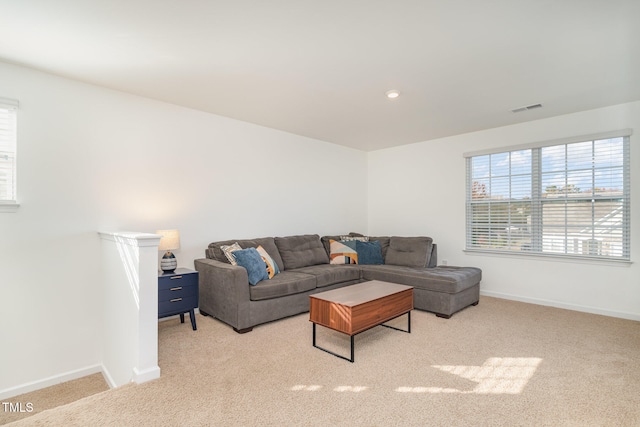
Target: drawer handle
{"type": "Point", "coordinates": [176, 277]}
{"type": "Point", "coordinates": [176, 300]}
{"type": "Point", "coordinates": [176, 289]}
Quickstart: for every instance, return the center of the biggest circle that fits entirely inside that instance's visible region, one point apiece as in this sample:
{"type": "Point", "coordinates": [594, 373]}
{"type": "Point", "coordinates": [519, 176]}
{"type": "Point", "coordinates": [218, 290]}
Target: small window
{"type": "Point", "coordinates": [563, 199]}
{"type": "Point", "coordinates": [8, 196]}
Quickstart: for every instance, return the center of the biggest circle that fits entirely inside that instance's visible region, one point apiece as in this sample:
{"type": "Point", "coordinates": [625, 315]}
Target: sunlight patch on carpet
{"type": "Point", "coordinates": [302, 387]}
{"type": "Point", "coordinates": [339, 389]}
{"type": "Point", "coordinates": [497, 375]}
{"type": "Point", "coordinates": [354, 389]}
{"type": "Point", "coordinates": [428, 390]}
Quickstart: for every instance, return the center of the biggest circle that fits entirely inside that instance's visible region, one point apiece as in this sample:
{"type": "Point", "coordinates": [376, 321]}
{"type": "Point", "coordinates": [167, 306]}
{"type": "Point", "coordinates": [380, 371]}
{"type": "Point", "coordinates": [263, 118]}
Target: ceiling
{"type": "Point", "coordinates": [321, 68]}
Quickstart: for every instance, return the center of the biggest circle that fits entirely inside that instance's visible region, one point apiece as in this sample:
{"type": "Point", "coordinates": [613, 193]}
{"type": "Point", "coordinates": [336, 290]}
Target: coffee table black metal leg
{"type": "Point", "coordinates": [331, 352]}
{"type": "Point", "coordinates": [408, 313]}
{"type": "Point", "coordinates": [398, 329]}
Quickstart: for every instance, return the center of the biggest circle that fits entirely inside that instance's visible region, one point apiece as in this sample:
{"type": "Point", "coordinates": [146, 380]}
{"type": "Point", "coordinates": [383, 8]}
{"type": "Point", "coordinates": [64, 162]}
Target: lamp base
{"type": "Point", "coordinates": [168, 263]}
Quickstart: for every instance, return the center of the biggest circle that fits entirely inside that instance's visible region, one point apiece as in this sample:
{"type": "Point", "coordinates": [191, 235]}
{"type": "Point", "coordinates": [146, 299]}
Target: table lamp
{"type": "Point", "coordinates": [169, 241]}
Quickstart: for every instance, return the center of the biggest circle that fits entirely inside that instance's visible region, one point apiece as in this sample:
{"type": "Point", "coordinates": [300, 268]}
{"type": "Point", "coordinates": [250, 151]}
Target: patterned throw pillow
{"type": "Point", "coordinates": [343, 252]}
{"type": "Point", "coordinates": [227, 249]}
{"type": "Point", "coordinates": [272, 267]}
{"type": "Point", "coordinates": [354, 238]}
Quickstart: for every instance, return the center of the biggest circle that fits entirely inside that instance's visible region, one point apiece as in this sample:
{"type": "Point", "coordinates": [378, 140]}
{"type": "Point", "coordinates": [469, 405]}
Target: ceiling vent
{"type": "Point", "coordinates": [527, 107]}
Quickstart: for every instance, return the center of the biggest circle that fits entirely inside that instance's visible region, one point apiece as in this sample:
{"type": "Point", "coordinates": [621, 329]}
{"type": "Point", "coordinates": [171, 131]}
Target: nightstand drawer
{"type": "Point", "coordinates": [176, 305]}
{"type": "Point", "coordinates": [177, 292]}
{"type": "Point", "coordinates": [179, 280]}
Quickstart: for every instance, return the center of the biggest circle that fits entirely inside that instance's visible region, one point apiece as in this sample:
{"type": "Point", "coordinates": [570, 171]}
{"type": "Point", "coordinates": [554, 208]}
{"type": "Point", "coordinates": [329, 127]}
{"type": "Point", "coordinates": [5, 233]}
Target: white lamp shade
{"type": "Point", "coordinates": [170, 240]}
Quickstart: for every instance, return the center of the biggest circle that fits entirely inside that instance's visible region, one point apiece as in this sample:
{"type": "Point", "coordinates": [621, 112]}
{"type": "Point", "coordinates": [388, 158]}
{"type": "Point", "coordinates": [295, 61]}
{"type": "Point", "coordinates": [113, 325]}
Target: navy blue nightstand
{"type": "Point", "coordinates": [178, 294]}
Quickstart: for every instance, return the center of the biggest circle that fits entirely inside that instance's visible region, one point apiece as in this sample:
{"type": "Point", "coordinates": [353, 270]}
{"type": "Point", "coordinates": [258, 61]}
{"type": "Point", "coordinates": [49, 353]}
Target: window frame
{"type": "Point", "coordinates": [9, 133]}
{"type": "Point", "coordinates": [537, 203]}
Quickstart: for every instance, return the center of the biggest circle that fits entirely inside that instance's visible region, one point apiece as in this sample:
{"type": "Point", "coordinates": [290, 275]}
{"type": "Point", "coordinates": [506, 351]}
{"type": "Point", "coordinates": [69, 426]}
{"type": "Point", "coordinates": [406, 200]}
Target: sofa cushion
{"type": "Point", "coordinates": [343, 252]}
{"type": "Point", "coordinates": [251, 260]}
{"type": "Point", "coordinates": [214, 250]}
{"type": "Point", "coordinates": [285, 283]}
{"type": "Point", "coordinates": [409, 251]}
{"type": "Point", "coordinates": [327, 274]}
{"type": "Point", "coordinates": [301, 251]}
{"type": "Point", "coordinates": [440, 279]}
{"type": "Point", "coordinates": [369, 252]}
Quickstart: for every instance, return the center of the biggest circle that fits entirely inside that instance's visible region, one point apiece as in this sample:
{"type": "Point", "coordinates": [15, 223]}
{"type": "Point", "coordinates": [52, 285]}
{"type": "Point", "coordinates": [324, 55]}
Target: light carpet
{"type": "Point", "coordinates": [29, 404]}
{"type": "Point", "coordinates": [501, 363]}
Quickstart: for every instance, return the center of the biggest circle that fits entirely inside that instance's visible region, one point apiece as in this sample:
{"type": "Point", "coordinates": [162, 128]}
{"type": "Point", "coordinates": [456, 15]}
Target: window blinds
{"type": "Point", "coordinates": [8, 150]}
{"type": "Point", "coordinates": [564, 199]}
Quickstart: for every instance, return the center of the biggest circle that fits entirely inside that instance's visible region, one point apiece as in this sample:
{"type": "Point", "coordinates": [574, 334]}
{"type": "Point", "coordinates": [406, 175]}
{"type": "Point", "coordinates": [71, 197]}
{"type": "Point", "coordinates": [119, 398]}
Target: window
{"type": "Point", "coordinates": [563, 198]}
{"type": "Point", "coordinates": [8, 199]}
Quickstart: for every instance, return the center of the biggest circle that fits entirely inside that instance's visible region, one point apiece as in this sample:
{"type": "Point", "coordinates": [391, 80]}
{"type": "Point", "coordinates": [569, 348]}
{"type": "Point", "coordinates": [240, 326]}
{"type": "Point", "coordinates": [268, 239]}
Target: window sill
{"type": "Point", "coordinates": [551, 257]}
{"type": "Point", "coordinates": [9, 207]}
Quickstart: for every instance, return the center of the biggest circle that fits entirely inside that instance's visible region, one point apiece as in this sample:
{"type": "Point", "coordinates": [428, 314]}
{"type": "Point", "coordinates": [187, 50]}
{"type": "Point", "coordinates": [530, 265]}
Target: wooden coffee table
{"type": "Point", "coordinates": [356, 308]}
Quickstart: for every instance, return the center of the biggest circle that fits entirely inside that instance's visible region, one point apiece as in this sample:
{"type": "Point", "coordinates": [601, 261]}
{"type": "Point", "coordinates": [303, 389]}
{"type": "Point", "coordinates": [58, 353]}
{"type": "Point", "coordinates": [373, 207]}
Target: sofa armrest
{"type": "Point", "coordinates": [224, 292]}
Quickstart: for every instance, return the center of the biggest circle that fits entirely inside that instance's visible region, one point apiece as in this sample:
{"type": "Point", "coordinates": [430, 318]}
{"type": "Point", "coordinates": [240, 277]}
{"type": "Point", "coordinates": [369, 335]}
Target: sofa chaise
{"type": "Point", "coordinates": [307, 265]}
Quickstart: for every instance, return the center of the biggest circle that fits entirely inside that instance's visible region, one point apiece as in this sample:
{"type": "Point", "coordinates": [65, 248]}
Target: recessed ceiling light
{"type": "Point", "coordinates": [392, 94]}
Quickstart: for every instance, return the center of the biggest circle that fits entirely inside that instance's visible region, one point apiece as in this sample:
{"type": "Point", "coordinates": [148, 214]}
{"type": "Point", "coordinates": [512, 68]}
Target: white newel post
{"type": "Point", "coordinates": [130, 280]}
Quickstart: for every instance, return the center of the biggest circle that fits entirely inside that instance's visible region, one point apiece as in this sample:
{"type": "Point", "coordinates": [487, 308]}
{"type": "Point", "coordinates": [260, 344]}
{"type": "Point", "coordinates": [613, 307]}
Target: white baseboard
{"type": "Point", "coordinates": [56, 379]}
{"type": "Point", "coordinates": [108, 378]}
{"type": "Point", "coordinates": [574, 307]}
{"type": "Point", "coordinates": [139, 377]}
{"type": "Point", "coordinates": [148, 374]}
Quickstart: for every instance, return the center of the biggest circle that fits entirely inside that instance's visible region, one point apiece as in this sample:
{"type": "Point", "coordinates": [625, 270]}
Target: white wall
{"type": "Point", "coordinates": [91, 159]}
{"type": "Point", "coordinates": [420, 189]}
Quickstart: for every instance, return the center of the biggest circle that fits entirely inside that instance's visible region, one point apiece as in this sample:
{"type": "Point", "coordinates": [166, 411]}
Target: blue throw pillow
{"type": "Point", "coordinates": [369, 252]}
{"type": "Point", "coordinates": [251, 260]}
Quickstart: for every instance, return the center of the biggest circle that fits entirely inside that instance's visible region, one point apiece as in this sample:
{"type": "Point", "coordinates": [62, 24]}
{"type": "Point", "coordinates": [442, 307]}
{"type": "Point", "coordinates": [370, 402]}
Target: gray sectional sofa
{"type": "Point", "coordinates": [305, 269]}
